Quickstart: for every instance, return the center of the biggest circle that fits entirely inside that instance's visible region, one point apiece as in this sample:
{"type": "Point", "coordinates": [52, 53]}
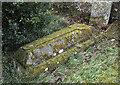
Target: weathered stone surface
{"type": "Point", "coordinates": [100, 13]}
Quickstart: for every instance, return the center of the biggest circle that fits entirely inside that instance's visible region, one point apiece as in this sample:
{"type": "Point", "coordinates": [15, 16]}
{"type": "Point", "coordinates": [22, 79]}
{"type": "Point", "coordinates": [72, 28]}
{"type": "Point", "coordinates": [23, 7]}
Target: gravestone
{"type": "Point", "coordinates": [48, 52]}
{"type": "Point", "coordinates": [51, 50]}
{"type": "Point", "coordinates": [100, 13]}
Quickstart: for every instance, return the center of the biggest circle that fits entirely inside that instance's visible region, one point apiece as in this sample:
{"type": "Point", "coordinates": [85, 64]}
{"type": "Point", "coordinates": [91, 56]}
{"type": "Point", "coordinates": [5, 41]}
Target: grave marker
{"type": "Point", "coordinates": [100, 13]}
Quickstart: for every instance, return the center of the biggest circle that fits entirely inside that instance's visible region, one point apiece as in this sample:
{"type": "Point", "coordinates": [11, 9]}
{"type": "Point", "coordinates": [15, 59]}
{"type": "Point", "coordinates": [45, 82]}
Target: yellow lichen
{"type": "Point", "coordinates": [41, 58]}
{"type": "Point", "coordinates": [76, 39]}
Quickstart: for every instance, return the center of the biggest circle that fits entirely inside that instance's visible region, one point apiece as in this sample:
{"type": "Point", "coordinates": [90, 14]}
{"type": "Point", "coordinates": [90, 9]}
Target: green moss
{"type": "Point", "coordinates": [54, 35]}
{"type": "Point", "coordinates": [65, 41]}
{"type": "Point", "coordinates": [67, 36]}
{"type": "Point", "coordinates": [56, 48]}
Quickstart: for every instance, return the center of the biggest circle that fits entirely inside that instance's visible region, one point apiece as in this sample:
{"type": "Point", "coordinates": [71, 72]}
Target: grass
{"type": "Point", "coordinates": [102, 67]}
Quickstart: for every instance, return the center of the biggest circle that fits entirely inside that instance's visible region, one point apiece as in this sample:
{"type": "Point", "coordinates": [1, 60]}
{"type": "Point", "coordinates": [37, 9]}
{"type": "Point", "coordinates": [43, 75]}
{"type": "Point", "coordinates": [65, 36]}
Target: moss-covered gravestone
{"type": "Point", "coordinates": [54, 49]}
{"type": "Point", "coordinates": [100, 13]}
{"type": "Point", "coordinates": [48, 52]}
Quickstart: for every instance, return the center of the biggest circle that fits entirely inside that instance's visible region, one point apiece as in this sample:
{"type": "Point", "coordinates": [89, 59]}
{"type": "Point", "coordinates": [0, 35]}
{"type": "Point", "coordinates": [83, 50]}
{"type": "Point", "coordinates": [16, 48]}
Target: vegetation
{"type": "Point", "coordinates": [26, 22]}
